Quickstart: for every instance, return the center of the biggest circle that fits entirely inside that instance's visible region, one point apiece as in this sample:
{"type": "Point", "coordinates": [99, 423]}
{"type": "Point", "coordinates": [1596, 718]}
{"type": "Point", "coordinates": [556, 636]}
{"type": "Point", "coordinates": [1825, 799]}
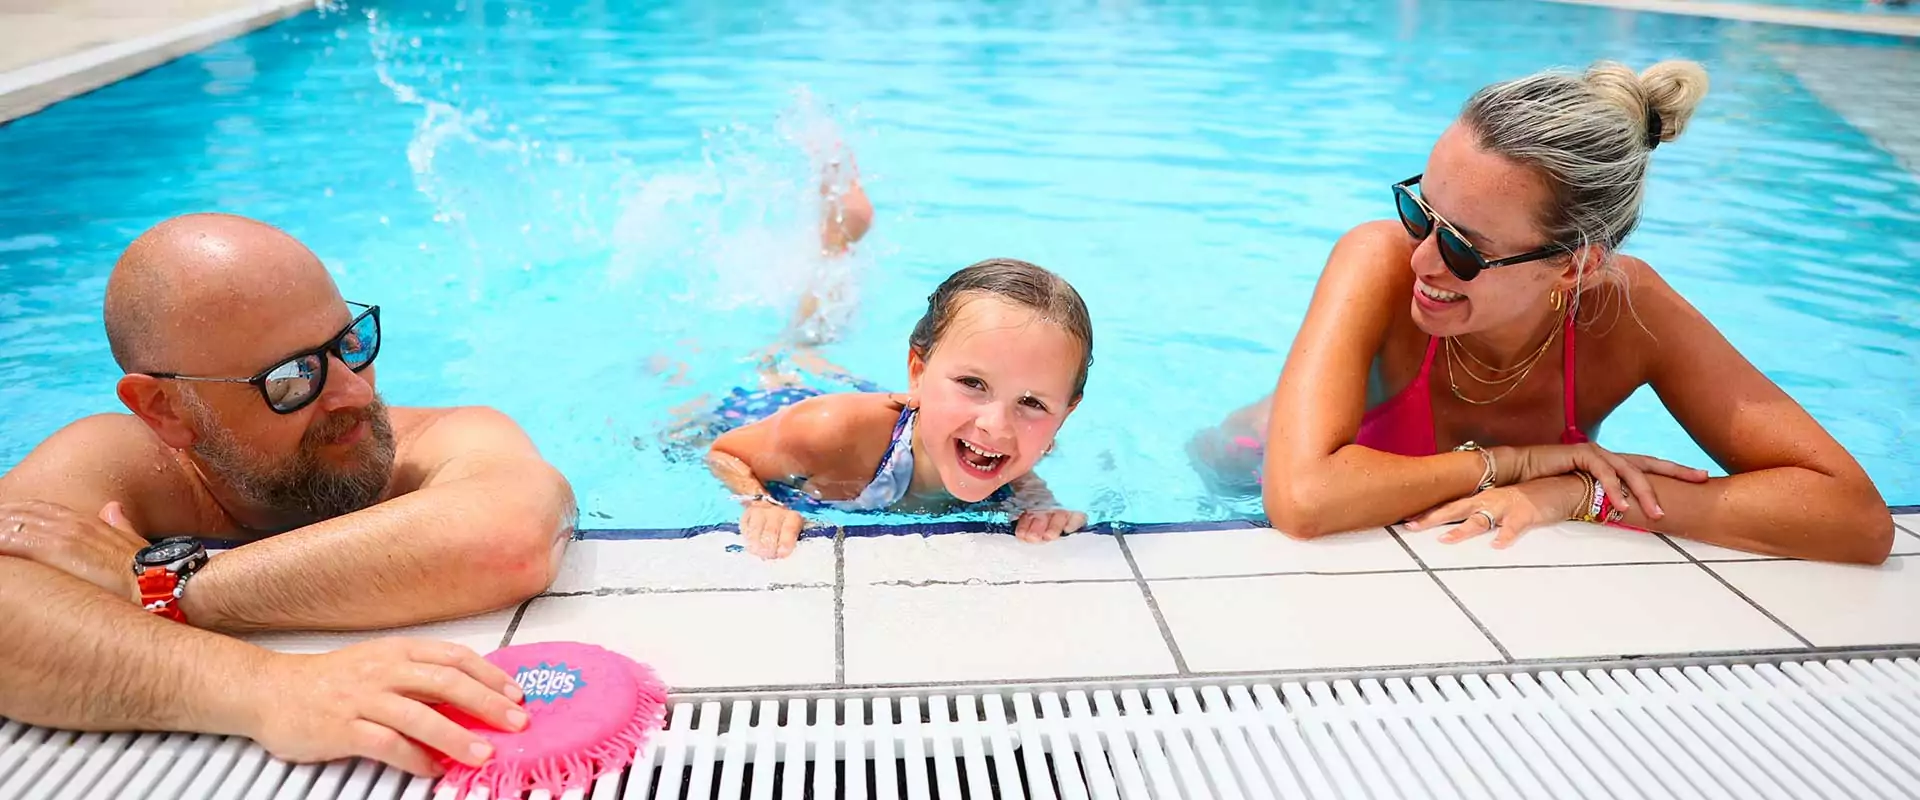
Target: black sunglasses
{"type": "Point", "coordinates": [1460, 256]}
{"type": "Point", "coordinates": [290, 385]}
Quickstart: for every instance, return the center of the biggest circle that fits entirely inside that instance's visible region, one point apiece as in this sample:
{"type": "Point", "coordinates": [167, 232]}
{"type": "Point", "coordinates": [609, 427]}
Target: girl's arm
{"type": "Point", "coordinates": [1038, 516]}
{"type": "Point", "coordinates": [788, 445]}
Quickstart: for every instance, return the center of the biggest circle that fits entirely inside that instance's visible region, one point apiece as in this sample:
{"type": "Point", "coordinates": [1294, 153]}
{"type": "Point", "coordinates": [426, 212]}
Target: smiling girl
{"type": "Point", "coordinates": [995, 367]}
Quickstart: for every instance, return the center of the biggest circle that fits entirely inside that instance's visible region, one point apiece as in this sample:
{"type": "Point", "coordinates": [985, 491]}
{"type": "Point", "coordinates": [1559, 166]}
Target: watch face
{"type": "Point", "coordinates": [168, 552]}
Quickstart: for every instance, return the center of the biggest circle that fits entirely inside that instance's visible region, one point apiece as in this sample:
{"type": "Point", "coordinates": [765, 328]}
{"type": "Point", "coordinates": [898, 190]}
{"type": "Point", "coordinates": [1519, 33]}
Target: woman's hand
{"type": "Point", "coordinates": [770, 530]}
{"type": "Point", "coordinates": [1507, 511]}
{"type": "Point", "coordinates": [1623, 475]}
{"type": "Point", "coordinates": [1046, 525]}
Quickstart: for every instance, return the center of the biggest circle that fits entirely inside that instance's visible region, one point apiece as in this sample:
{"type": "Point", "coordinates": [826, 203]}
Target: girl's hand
{"type": "Point", "coordinates": [770, 530]}
{"type": "Point", "coordinates": [1046, 525]}
{"type": "Point", "coordinates": [1623, 475]}
{"type": "Point", "coordinates": [1507, 511]}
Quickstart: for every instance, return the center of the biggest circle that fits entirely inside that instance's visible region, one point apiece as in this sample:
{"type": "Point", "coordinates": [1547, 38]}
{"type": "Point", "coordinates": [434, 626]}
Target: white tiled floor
{"type": "Point", "coordinates": [1835, 604]}
{"type": "Point", "coordinates": [1572, 612]}
{"type": "Point", "coordinates": [481, 634]}
{"type": "Point", "coordinates": [909, 634]}
{"type": "Point", "coordinates": [982, 557]}
{"type": "Point", "coordinates": [1563, 544]}
{"type": "Point", "coordinates": [987, 607]}
{"type": "Point", "coordinates": [1317, 621]}
{"type": "Point", "coordinates": [700, 562]}
{"type": "Point", "coordinates": [1905, 542]}
{"type": "Point", "coordinates": [1263, 550]}
{"type": "Point", "coordinates": [701, 639]}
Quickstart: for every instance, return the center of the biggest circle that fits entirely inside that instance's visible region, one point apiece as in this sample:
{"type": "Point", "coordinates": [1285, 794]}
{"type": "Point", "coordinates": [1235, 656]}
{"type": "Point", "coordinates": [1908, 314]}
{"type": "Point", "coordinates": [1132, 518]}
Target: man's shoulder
{"type": "Point", "coordinates": [94, 457]}
{"type": "Point", "coordinates": [414, 422]}
{"type": "Point", "coordinates": [430, 437]}
{"type": "Point", "coordinates": [105, 438]}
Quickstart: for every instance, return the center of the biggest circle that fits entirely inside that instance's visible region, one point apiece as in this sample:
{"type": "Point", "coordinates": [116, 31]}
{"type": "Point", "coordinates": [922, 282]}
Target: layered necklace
{"type": "Point", "coordinates": [1513, 377]}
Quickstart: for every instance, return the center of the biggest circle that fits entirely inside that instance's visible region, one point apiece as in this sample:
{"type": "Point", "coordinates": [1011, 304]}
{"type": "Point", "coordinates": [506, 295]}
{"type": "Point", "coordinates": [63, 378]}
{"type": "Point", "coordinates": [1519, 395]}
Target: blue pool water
{"type": "Point", "coordinates": [556, 203]}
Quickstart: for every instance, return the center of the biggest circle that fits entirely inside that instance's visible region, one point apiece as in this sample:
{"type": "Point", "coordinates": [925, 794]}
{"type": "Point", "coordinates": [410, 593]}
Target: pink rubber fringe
{"type": "Point", "coordinates": [576, 771]}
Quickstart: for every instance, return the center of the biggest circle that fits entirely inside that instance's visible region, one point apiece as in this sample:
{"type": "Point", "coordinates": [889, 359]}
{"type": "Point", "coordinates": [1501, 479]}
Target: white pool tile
{"type": "Point", "coordinates": [982, 557]}
{"type": "Point", "coordinates": [915, 634]}
{"type": "Point", "coordinates": [1189, 554]}
{"type": "Point", "coordinates": [1560, 544]}
{"type": "Point", "coordinates": [701, 639]}
{"type": "Point", "coordinates": [699, 562]}
{"type": "Point", "coordinates": [1568, 612]}
{"type": "Point", "coordinates": [1910, 522]}
{"type": "Point", "coordinates": [1836, 605]}
{"type": "Point", "coordinates": [481, 634]}
{"type": "Point", "coordinates": [1317, 621]}
{"type": "Point", "coordinates": [1904, 543]}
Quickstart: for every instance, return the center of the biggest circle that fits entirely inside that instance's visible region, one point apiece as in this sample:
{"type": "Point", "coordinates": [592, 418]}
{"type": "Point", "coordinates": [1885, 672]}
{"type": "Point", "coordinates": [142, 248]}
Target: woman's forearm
{"type": "Point", "coordinates": [1358, 487]}
{"type": "Point", "coordinates": [1788, 511]}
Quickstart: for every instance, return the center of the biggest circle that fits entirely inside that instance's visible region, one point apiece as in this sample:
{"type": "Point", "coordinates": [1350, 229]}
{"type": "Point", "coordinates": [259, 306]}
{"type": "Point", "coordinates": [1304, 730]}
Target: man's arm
{"type": "Point", "coordinates": [486, 529]}
{"type": "Point", "coordinates": [81, 659]}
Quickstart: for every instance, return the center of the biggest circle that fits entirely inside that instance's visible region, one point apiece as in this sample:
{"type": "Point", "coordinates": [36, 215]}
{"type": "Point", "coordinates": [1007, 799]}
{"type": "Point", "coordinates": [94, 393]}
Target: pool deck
{"type": "Point", "coordinates": [858, 610]}
{"type": "Point", "coordinates": [51, 50]}
{"type": "Point", "coordinates": [1888, 24]}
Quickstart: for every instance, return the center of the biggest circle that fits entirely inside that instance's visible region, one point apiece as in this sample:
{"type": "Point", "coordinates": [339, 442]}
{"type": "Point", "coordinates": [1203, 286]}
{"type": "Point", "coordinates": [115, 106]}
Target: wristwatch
{"type": "Point", "coordinates": [163, 569]}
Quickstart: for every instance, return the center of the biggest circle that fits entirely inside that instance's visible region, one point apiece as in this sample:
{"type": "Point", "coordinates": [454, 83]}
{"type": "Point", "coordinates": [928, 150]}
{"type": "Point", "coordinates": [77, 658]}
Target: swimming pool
{"type": "Point", "coordinates": [557, 203]}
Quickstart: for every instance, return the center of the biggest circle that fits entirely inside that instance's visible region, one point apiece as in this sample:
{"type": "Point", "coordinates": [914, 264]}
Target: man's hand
{"type": "Point", "coordinates": [98, 550]}
{"type": "Point", "coordinates": [376, 700]}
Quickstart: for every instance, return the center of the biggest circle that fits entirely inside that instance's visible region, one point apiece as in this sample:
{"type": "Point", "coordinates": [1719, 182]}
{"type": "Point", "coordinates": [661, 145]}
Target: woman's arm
{"type": "Point", "coordinates": [1793, 490]}
{"type": "Point", "coordinates": [1317, 481]}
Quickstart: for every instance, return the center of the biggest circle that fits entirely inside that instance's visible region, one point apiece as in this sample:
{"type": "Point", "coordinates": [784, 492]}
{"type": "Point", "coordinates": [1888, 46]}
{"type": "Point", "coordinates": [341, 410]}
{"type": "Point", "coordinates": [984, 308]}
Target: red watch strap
{"type": "Point", "coordinates": [157, 586]}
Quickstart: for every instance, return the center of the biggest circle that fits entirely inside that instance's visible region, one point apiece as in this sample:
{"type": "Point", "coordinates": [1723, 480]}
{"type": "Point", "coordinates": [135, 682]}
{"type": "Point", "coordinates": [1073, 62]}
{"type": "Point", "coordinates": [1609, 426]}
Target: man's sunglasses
{"type": "Point", "coordinates": [290, 385]}
{"type": "Point", "coordinates": [1456, 252]}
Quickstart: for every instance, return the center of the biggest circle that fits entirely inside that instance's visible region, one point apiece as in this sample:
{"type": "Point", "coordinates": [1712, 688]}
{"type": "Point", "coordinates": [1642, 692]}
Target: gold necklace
{"type": "Point", "coordinates": [1537, 353]}
{"type": "Point", "coordinates": [1518, 380]}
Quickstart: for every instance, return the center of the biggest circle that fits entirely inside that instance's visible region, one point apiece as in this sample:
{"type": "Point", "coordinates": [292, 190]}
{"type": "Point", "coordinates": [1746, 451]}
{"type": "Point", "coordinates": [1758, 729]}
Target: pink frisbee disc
{"type": "Point", "coordinates": [589, 710]}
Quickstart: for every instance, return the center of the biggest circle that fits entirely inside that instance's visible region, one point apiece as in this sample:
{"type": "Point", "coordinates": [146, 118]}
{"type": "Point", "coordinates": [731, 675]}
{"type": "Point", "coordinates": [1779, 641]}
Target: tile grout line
{"type": "Point", "coordinates": [513, 626]}
{"type": "Point", "coordinates": [1804, 641]}
{"type": "Point", "coordinates": [1153, 606]}
{"type": "Point", "coordinates": [628, 591]}
{"type": "Point", "coordinates": [839, 606]}
{"type": "Point", "coordinates": [1444, 588]}
{"type": "Point", "coordinates": [1531, 666]}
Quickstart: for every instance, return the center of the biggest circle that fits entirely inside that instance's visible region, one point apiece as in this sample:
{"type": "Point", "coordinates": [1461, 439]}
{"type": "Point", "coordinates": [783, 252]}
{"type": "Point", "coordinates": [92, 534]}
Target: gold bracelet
{"type": "Point", "coordinates": [1584, 511]}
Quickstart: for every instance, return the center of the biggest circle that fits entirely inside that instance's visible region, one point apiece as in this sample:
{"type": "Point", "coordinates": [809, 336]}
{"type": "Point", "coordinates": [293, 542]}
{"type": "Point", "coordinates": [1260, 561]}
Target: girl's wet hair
{"type": "Point", "coordinates": [1017, 282]}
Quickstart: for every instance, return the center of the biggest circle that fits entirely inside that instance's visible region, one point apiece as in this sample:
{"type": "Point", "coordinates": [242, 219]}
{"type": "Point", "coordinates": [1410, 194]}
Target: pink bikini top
{"type": "Point", "coordinates": [1404, 423]}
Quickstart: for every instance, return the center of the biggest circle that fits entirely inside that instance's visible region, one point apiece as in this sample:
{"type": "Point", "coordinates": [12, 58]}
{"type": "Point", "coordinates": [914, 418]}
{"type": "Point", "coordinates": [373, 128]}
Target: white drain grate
{"type": "Point", "coordinates": [1813, 729]}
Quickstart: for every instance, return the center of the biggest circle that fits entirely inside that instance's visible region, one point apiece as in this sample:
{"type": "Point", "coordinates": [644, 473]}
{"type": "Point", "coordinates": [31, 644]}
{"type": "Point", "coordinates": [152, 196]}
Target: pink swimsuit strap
{"type": "Point", "coordinates": [1404, 423]}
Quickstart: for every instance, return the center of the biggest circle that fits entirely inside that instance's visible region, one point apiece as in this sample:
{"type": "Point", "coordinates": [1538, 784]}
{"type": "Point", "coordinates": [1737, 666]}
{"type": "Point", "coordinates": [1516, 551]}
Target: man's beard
{"type": "Point", "coordinates": [301, 487]}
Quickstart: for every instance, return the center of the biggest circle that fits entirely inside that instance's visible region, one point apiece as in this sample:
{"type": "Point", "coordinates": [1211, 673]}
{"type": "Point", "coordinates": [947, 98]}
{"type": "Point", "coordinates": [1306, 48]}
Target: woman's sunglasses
{"type": "Point", "coordinates": [292, 384]}
{"type": "Point", "coordinates": [1456, 252]}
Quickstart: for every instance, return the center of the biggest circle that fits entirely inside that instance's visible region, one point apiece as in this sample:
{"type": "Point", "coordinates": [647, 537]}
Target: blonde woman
{"type": "Point", "coordinates": [1455, 362]}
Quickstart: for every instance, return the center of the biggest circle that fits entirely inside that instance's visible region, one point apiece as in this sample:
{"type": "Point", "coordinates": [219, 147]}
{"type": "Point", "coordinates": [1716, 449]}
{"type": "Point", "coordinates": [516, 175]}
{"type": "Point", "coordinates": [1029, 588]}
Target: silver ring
{"type": "Point", "coordinates": [1491, 522]}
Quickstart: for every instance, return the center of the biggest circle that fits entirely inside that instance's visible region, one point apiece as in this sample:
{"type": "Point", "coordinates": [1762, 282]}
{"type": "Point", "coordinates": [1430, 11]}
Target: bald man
{"type": "Point", "coordinates": [254, 418]}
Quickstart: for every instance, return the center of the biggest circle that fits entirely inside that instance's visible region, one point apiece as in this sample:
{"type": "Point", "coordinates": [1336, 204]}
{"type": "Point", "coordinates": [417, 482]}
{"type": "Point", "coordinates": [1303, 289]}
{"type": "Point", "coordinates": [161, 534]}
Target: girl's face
{"type": "Point", "coordinates": [992, 394]}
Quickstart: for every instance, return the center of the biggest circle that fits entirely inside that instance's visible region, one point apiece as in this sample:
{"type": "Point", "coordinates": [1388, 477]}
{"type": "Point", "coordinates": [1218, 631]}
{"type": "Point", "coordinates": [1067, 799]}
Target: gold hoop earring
{"type": "Point", "coordinates": [1555, 300]}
